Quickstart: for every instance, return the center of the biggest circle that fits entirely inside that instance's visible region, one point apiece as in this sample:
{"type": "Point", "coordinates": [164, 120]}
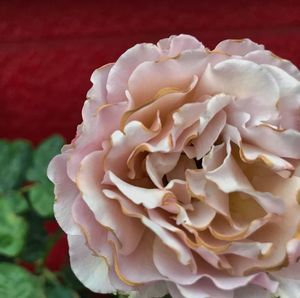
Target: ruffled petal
{"type": "Point", "coordinates": [65, 193]}
{"type": "Point", "coordinates": [120, 72]}
{"type": "Point", "coordinates": [98, 91]}
{"type": "Point", "coordinates": [240, 78]}
{"type": "Point", "coordinates": [238, 47]}
{"type": "Point", "coordinates": [176, 44]}
{"type": "Point", "coordinates": [107, 212]}
{"type": "Point", "coordinates": [91, 270]}
{"type": "Point", "coordinates": [149, 198]}
{"type": "Point", "coordinates": [172, 73]}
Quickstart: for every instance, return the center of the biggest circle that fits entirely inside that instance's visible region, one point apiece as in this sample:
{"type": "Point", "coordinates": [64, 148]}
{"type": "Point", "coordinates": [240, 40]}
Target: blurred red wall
{"type": "Point", "coordinates": [48, 49]}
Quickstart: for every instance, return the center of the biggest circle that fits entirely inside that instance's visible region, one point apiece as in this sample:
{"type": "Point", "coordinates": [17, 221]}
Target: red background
{"type": "Point", "coordinates": [48, 49]}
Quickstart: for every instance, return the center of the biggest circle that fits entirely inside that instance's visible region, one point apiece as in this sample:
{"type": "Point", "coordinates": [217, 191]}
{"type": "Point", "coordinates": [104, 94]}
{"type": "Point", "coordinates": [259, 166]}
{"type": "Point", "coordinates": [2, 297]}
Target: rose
{"type": "Point", "coordinates": [182, 177]}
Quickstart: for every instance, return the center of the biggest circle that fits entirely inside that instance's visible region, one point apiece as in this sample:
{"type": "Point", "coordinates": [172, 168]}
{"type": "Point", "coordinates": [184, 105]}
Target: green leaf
{"type": "Point", "coordinates": [41, 196]}
{"type": "Point", "coordinates": [15, 157]}
{"type": "Point", "coordinates": [16, 282]}
{"type": "Point", "coordinates": [36, 242]}
{"type": "Point", "coordinates": [42, 156]}
{"type": "Point", "coordinates": [59, 291]}
{"type": "Point", "coordinates": [13, 229]}
{"type": "Point", "coordinates": [16, 200]}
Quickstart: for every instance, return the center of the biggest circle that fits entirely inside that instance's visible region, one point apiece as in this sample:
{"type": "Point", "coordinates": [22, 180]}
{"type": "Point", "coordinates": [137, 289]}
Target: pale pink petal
{"type": "Point", "coordinates": [179, 189]}
{"type": "Point", "coordinates": [217, 199]}
{"type": "Point", "coordinates": [201, 216]}
{"type": "Point", "coordinates": [184, 255]}
{"type": "Point", "coordinates": [149, 198]}
{"type": "Point", "coordinates": [122, 145]}
{"type": "Point", "coordinates": [167, 264]}
{"type": "Point", "coordinates": [202, 112]}
{"type": "Point", "coordinates": [141, 257]}
{"type": "Point", "coordinates": [267, 57]}
{"type": "Point", "coordinates": [172, 73]}
{"type": "Point", "coordinates": [293, 250]}
{"type": "Point", "coordinates": [214, 158]}
{"type": "Point", "coordinates": [165, 102]}
{"type": "Point", "coordinates": [239, 47]}
{"type": "Point", "coordinates": [288, 85]}
{"type": "Point", "coordinates": [252, 291]}
{"type": "Point", "coordinates": [107, 212]}
{"type": "Point", "coordinates": [128, 207]}
{"type": "Point", "coordinates": [281, 143]}
{"type": "Point", "coordinates": [252, 153]}
{"type": "Point", "coordinates": [210, 134]}
{"type": "Point", "coordinates": [196, 182]}
{"type": "Point", "coordinates": [249, 249]}
{"type": "Point", "coordinates": [289, 281]}
{"type": "Point", "coordinates": [230, 283]}
{"type": "Point", "coordinates": [240, 78]}
{"type": "Point", "coordinates": [96, 236]}
{"type": "Point", "coordinates": [229, 177]}
{"type": "Point", "coordinates": [99, 79]}
{"type": "Point", "coordinates": [158, 164]}
{"type": "Point", "coordinates": [91, 270]}
{"type": "Point", "coordinates": [97, 127]}
{"type": "Point", "coordinates": [119, 74]}
{"type": "Point", "coordinates": [65, 193]}
{"type": "Point", "coordinates": [204, 289]}
{"type": "Point", "coordinates": [176, 44]}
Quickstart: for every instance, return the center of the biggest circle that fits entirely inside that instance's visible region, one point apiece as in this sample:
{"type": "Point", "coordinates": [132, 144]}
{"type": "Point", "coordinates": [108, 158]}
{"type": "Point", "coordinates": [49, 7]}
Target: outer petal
{"type": "Point", "coordinates": [91, 270]}
{"type": "Point", "coordinates": [142, 258]}
{"type": "Point", "coordinates": [176, 44]}
{"type": "Point", "coordinates": [99, 78]}
{"type": "Point", "coordinates": [65, 193]}
{"type": "Point", "coordinates": [267, 57]}
{"type": "Point", "coordinates": [204, 289]}
{"type": "Point", "coordinates": [171, 73]}
{"type": "Point", "coordinates": [238, 47]}
{"type": "Point", "coordinates": [289, 281]}
{"type": "Point", "coordinates": [107, 212]}
{"type": "Point", "coordinates": [118, 77]}
{"type": "Point", "coordinates": [240, 78]}
{"type": "Point", "coordinates": [96, 128]}
{"type": "Point", "coordinates": [252, 291]}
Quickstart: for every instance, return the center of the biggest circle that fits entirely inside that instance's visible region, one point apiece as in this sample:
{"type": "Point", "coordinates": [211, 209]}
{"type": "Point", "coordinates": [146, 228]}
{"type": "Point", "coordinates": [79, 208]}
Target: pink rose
{"type": "Point", "coordinates": [183, 175]}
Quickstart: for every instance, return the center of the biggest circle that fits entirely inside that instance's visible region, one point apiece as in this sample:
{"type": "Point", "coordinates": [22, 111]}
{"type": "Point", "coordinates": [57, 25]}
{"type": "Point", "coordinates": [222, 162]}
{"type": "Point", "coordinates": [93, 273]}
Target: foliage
{"type": "Point", "coordinates": [26, 204]}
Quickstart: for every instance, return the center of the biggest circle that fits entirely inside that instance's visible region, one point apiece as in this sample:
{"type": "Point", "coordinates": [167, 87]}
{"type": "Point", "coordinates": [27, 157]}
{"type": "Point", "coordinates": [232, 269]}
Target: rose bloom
{"type": "Point", "coordinates": [182, 177]}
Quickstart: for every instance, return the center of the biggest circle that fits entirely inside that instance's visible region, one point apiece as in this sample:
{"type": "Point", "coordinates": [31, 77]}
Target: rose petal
{"type": "Point", "coordinates": [267, 57]}
{"type": "Point", "coordinates": [252, 291]}
{"type": "Point", "coordinates": [65, 193]}
{"type": "Point", "coordinates": [159, 164]}
{"type": "Point", "coordinates": [243, 79]}
{"type": "Point", "coordinates": [239, 47]}
{"type": "Point", "coordinates": [176, 44]}
{"type": "Point", "coordinates": [107, 212]}
{"type": "Point", "coordinates": [149, 198]}
{"type": "Point", "coordinates": [280, 143]}
{"type": "Point", "coordinates": [120, 72]}
{"type": "Point", "coordinates": [91, 270]}
{"type": "Point", "coordinates": [170, 73]}
{"type": "Point", "coordinates": [98, 91]}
